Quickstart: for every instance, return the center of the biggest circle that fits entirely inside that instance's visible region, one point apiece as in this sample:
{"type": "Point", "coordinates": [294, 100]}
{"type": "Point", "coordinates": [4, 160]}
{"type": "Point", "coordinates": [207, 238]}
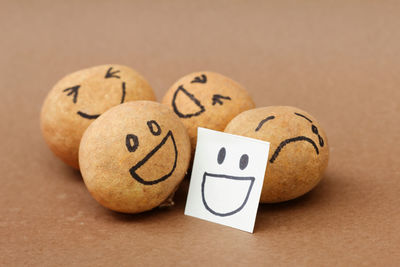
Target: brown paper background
{"type": "Point", "coordinates": [338, 60]}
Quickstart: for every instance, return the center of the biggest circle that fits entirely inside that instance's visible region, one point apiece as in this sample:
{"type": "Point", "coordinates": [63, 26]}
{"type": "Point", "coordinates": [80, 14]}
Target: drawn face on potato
{"type": "Point", "coordinates": [132, 143]}
{"type": "Point", "coordinates": [81, 97]}
{"type": "Point", "coordinates": [299, 151]}
{"type": "Point", "coordinates": [206, 99]}
{"type": "Point", "coordinates": [134, 156]}
{"type": "Point", "coordinates": [96, 99]}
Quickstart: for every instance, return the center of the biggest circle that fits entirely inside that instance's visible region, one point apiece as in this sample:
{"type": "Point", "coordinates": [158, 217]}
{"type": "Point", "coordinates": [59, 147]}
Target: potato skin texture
{"type": "Point", "coordinates": [296, 168]}
{"type": "Point", "coordinates": [62, 127]}
{"type": "Point", "coordinates": [211, 95]}
{"type": "Point", "coordinates": [106, 156]}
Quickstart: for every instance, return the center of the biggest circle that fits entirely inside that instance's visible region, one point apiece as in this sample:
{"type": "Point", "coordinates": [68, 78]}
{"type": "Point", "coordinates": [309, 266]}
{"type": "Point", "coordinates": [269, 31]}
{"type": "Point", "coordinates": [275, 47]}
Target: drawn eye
{"type": "Point", "coordinates": [73, 91]}
{"type": "Point", "coordinates": [221, 155]}
{"type": "Point", "coordinates": [314, 129]}
{"type": "Point", "coordinates": [244, 160]}
{"type": "Point", "coordinates": [321, 141]}
{"type": "Point", "coordinates": [132, 142]}
{"type": "Point", "coordinates": [155, 129]}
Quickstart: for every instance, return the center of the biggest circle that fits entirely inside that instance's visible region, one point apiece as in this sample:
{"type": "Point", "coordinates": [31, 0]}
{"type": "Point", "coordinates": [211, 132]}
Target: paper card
{"type": "Point", "coordinates": [227, 178]}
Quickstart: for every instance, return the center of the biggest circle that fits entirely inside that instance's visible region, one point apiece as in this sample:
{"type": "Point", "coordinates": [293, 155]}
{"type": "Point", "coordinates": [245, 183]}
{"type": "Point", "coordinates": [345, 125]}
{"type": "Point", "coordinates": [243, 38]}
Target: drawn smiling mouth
{"type": "Point", "coordinates": [134, 170]}
{"type": "Point", "coordinates": [292, 140]}
{"type": "Point", "coordinates": [95, 116]}
{"type": "Point", "coordinates": [235, 200]}
{"type": "Point", "coordinates": [198, 108]}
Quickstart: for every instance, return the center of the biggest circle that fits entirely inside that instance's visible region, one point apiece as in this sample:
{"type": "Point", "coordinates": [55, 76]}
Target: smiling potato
{"type": "Point", "coordinates": [299, 150]}
{"type": "Point", "coordinates": [79, 98]}
{"type": "Point", "coordinates": [134, 156]}
{"type": "Point", "coordinates": [206, 99]}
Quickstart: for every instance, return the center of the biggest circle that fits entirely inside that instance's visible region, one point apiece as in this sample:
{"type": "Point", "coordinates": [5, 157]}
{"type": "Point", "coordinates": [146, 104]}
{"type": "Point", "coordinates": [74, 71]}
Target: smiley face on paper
{"type": "Point", "coordinates": [227, 178]}
{"type": "Point", "coordinates": [240, 188]}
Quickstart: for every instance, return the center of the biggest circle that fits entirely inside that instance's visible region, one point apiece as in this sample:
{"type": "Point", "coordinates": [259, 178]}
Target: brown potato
{"type": "Point", "coordinates": [79, 98]}
{"type": "Point", "coordinates": [206, 99]}
{"type": "Point", "coordinates": [134, 156]}
{"type": "Point", "coordinates": [299, 150]}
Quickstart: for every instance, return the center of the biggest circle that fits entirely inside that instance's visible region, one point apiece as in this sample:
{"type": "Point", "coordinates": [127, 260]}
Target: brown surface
{"type": "Point", "coordinates": [338, 60]}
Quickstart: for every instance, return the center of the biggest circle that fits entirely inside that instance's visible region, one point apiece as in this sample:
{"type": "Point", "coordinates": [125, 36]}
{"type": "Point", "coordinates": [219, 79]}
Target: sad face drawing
{"type": "Point", "coordinates": [206, 99]}
{"type": "Point", "coordinates": [80, 98]}
{"type": "Point", "coordinates": [299, 150]}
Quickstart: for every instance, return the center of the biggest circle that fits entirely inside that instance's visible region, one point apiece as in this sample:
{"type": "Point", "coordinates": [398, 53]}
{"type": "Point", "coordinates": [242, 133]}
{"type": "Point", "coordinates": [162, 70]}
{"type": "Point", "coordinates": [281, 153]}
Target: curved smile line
{"type": "Point", "coordinates": [192, 98]}
{"type": "Point", "coordinates": [223, 176]}
{"type": "Point", "coordinates": [148, 156]}
{"type": "Point", "coordinates": [92, 117]}
{"type": "Point", "coordinates": [291, 140]}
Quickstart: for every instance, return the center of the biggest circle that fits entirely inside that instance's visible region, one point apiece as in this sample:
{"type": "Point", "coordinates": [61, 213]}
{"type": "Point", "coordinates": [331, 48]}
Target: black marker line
{"type": "Point", "coordinates": [314, 129]}
{"type": "Point", "coordinates": [73, 90]}
{"type": "Point", "coordinates": [291, 140]}
{"type": "Point", "coordinates": [92, 117]}
{"type": "Point", "coordinates": [111, 74]}
{"type": "Point", "coordinates": [135, 141]}
{"type": "Point", "coordinates": [217, 99]}
{"type": "Point", "coordinates": [192, 98]}
{"type": "Point", "coordinates": [148, 156]}
{"type": "Point", "coordinates": [301, 115]}
{"type": "Point", "coordinates": [151, 128]}
{"type": "Point", "coordinates": [321, 141]}
{"type": "Point", "coordinates": [197, 79]}
{"type": "Point", "coordinates": [223, 176]}
{"type": "Point", "coordinates": [123, 93]}
{"type": "Point", "coordinates": [264, 121]}
{"type": "Point", "coordinates": [87, 116]}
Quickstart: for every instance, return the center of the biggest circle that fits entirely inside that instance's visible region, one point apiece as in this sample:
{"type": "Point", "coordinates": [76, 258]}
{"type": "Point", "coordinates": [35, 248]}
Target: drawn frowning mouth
{"type": "Point", "coordinates": [135, 168]}
{"type": "Point", "coordinates": [292, 140]}
{"type": "Point", "coordinates": [229, 200]}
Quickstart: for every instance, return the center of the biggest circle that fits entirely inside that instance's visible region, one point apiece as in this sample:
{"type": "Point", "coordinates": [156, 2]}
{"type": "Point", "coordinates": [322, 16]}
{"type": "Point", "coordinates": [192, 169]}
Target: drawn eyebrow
{"type": "Point", "coordinates": [264, 121]}
{"type": "Point", "coordinates": [112, 74]}
{"type": "Point", "coordinates": [73, 91]}
{"type": "Point", "coordinates": [301, 115]}
{"type": "Point", "coordinates": [198, 79]}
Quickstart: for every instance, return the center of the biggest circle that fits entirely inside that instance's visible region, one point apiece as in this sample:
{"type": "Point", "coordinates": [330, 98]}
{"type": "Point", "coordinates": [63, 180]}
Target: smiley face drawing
{"type": "Point", "coordinates": [80, 98]}
{"type": "Point", "coordinates": [299, 149]}
{"type": "Point", "coordinates": [74, 90]}
{"type": "Point", "coordinates": [206, 99]}
{"type": "Point", "coordinates": [134, 156]}
{"type": "Point", "coordinates": [132, 142]}
{"type": "Point", "coordinates": [227, 179]}
{"type": "Point", "coordinates": [228, 206]}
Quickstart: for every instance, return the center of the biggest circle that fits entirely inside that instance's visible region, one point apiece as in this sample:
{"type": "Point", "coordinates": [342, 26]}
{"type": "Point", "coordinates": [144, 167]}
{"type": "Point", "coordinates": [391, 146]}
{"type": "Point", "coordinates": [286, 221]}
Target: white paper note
{"type": "Point", "coordinates": [227, 179]}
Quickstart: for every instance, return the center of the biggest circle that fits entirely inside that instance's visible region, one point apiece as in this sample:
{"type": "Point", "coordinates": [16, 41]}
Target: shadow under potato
{"type": "Point", "coordinates": [158, 213]}
{"type": "Point", "coordinates": [287, 213]}
{"type": "Point", "coordinates": [269, 216]}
